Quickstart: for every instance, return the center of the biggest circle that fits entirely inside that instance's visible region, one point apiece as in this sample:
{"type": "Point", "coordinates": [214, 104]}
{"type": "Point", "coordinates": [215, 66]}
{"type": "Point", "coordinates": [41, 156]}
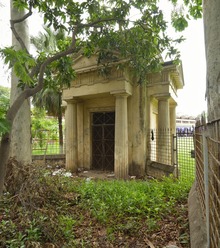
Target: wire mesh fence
{"type": "Point", "coordinates": [46, 144]}
{"type": "Point", "coordinates": [175, 149]}
{"type": "Point", "coordinates": [207, 147]}
{"type": "Point", "coordinates": [185, 156]}
{"type": "Point", "coordinates": [160, 143]}
{"type": "Point", "coordinates": [200, 167]}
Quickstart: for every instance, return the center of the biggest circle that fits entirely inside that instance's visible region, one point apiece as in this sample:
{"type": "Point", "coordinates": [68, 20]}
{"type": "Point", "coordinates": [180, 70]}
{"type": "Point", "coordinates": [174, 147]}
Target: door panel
{"type": "Point", "coordinates": [103, 140]}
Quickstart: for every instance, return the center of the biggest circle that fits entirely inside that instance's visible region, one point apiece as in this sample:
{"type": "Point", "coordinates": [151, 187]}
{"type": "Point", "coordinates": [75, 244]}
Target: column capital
{"type": "Point", "coordinates": [120, 93]}
{"type": "Point", "coordinates": [71, 100]}
{"type": "Point", "coordinates": [162, 97]}
{"type": "Point", "coordinates": [64, 104]}
{"type": "Point", "coordinates": [173, 105]}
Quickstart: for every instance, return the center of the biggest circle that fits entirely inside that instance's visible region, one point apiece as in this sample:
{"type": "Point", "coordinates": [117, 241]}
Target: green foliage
{"type": "Point", "coordinates": [181, 15]}
{"type": "Point", "coordinates": [20, 4]}
{"type": "Point", "coordinates": [42, 127]}
{"type": "Point", "coordinates": [196, 10]}
{"type": "Point", "coordinates": [102, 27]}
{"type": "Point", "coordinates": [179, 21]}
{"type": "Point", "coordinates": [110, 200]}
{"type": "Point", "coordinates": [60, 72]}
{"type": "Point", "coordinates": [21, 61]}
{"type": "Point", "coordinates": [33, 232]}
{"type": "Point", "coordinates": [5, 101]}
{"type": "Point", "coordinates": [63, 211]}
{"type": "Point", "coordinates": [66, 224]}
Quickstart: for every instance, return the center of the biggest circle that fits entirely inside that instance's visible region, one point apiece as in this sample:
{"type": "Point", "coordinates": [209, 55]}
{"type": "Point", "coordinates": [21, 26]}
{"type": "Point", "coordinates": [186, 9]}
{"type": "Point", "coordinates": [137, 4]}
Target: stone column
{"type": "Point", "coordinates": [163, 112]}
{"type": "Point", "coordinates": [71, 135]}
{"type": "Point", "coordinates": [164, 146]}
{"type": "Point", "coordinates": [80, 134]}
{"type": "Point", "coordinates": [121, 136]}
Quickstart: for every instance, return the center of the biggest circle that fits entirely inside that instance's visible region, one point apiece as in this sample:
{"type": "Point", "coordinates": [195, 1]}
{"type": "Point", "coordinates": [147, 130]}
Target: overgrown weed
{"type": "Point", "coordinates": [45, 209]}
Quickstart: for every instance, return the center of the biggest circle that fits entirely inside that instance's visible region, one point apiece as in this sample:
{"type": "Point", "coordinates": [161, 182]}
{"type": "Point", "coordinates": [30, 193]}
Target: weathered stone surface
{"type": "Point", "coordinates": [197, 224]}
{"type": "Point", "coordinates": [159, 170]}
{"type": "Point", "coordinates": [138, 108]}
{"type": "Point", "coordinates": [171, 246]}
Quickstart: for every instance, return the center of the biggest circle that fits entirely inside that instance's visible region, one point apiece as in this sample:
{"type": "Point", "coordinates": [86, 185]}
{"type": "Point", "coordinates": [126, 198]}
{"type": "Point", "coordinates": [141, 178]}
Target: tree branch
{"type": "Point", "coordinates": [23, 18]}
{"type": "Point", "coordinates": [94, 23]}
{"type": "Point", "coordinates": [28, 92]}
{"type": "Point", "coordinates": [17, 36]}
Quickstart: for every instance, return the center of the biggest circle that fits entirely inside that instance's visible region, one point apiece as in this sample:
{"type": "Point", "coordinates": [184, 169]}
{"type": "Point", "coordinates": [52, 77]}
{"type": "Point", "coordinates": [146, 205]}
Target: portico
{"type": "Point", "coordinates": [162, 92]}
{"type": "Point", "coordinates": [108, 117]}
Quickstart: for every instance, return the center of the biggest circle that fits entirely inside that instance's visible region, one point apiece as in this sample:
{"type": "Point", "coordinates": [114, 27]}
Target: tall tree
{"type": "Point", "coordinates": [212, 44]}
{"type": "Point", "coordinates": [102, 27]}
{"type": "Point", "coordinates": [20, 134]}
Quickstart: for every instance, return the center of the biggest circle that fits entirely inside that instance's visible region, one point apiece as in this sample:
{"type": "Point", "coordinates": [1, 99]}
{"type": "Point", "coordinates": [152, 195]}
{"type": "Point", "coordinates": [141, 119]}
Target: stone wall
{"type": "Point", "coordinates": [52, 160]}
{"type": "Point", "coordinates": [159, 170]}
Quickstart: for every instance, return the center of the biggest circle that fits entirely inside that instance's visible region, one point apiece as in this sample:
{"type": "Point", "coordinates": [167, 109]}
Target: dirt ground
{"type": "Point", "coordinates": [172, 232]}
{"type": "Point", "coordinates": [96, 174]}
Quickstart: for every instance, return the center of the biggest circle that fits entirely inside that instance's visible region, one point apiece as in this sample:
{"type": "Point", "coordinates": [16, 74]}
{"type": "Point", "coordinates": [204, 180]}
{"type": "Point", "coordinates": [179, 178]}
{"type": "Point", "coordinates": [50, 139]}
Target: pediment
{"type": "Point", "coordinates": [82, 63]}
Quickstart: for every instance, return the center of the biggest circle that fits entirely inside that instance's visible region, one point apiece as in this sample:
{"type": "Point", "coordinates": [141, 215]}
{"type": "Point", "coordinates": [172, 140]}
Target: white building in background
{"type": "Point", "coordinates": [185, 124]}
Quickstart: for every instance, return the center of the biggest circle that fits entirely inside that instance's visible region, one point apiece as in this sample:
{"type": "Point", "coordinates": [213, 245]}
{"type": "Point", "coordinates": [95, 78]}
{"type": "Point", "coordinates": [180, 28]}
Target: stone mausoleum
{"type": "Point", "coordinates": [108, 117]}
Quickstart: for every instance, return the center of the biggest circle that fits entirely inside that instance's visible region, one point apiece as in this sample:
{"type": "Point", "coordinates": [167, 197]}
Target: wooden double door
{"type": "Point", "coordinates": [103, 140]}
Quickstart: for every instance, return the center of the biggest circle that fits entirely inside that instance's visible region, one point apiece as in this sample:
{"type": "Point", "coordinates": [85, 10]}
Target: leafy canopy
{"type": "Point", "coordinates": [129, 30]}
{"type": "Point", "coordinates": [183, 12]}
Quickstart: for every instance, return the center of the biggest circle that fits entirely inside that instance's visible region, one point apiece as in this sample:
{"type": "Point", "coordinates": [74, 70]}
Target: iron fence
{"type": "Point", "coordinates": [45, 144]}
{"type": "Point", "coordinates": [160, 146]}
{"type": "Point", "coordinates": [173, 148]}
{"type": "Point", "coordinates": [185, 155]}
{"type": "Point", "coordinates": [200, 167]}
{"type": "Point", "coordinates": [207, 148]}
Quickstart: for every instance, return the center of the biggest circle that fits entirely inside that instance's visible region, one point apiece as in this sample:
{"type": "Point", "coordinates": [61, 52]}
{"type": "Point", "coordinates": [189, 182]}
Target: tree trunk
{"type": "Point", "coordinates": [6, 138]}
{"type": "Point", "coordinates": [20, 146]}
{"type": "Point", "coordinates": [4, 153]}
{"type": "Point", "coordinates": [16, 143]}
{"type": "Point", "coordinates": [211, 10]}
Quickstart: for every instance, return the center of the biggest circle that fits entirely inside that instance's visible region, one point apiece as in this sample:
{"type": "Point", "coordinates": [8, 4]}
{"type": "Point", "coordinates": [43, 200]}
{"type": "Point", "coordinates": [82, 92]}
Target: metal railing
{"type": "Point", "coordinates": [185, 156]}
{"type": "Point", "coordinates": [173, 148]}
{"type": "Point", "coordinates": [44, 144]}
{"type": "Point", "coordinates": [160, 146]}
{"type": "Point", "coordinates": [207, 154]}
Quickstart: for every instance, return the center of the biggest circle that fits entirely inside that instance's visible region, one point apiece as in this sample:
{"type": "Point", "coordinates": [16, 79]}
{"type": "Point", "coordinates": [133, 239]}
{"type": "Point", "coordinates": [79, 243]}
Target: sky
{"type": "Point", "coordinates": [191, 99]}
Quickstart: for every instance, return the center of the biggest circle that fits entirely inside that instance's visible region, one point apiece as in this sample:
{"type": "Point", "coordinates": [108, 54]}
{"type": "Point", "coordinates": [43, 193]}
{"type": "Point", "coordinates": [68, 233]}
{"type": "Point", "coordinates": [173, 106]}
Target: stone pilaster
{"type": "Point", "coordinates": [71, 135]}
{"type": "Point", "coordinates": [163, 112]}
{"type": "Point", "coordinates": [164, 145]}
{"type": "Point", "coordinates": [80, 128]}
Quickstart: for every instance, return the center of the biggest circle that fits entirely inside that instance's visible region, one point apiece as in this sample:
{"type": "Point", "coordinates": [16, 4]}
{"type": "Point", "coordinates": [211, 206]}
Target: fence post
{"type": "Point", "coordinates": [175, 155]}
{"type": "Point", "coordinates": [206, 182]}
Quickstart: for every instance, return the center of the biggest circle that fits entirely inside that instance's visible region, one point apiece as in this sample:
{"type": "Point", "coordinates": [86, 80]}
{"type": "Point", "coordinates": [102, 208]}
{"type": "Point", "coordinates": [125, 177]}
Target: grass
{"type": "Point", "coordinates": [73, 212]}
{"type": "Point", "coordinates": [50, 148]}
{"type": "Point", "coordinates": [152, 199]}
{"type": "Point", "coordinates": [185, 162]}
